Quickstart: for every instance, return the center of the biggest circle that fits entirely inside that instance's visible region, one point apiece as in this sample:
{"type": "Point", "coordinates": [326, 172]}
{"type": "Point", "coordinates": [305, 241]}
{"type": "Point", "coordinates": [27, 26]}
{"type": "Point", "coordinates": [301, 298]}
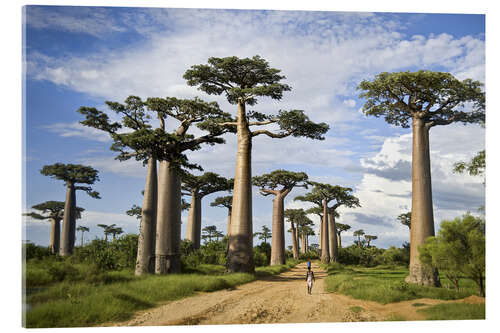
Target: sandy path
{"type": "Point", "coordinates": [277, 299]}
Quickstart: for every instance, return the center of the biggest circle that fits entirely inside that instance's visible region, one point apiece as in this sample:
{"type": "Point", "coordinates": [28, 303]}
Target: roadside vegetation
{"type": "Point", "coordinates": [97, 284]}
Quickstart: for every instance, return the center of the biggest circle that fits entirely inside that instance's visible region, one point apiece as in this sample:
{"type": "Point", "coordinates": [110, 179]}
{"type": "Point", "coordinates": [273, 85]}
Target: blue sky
{"type": "Point", "coordinates": [83, 56]}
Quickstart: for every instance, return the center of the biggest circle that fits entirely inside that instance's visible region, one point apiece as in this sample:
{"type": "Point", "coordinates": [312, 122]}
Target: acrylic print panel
{"type": "Point", "coordinates": [217, 120]}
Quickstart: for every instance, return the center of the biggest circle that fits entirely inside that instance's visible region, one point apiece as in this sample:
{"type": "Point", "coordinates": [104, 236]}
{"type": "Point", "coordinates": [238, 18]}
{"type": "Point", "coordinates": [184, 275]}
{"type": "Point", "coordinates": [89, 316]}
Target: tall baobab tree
{"type": "Point", "coordinates": [317, 210]}
{"type": "Point", "coordinates": [53, 211]}
{"type": "Point", "coordinates": [198, 187]}
{"type": "Point", "coordinates": [116, 231]}
{"type": "Point", "coordinates": [296, 217]}
{"type": "Point", "coordinates": [210, 232]}
{"type": "Point", "coordinates": [427, 99]}
{"type": "Point", "coordinates": [279, 183]}
{"type": "Point", "coordinates": [243, 81]}
{"type": "Point", "coordinates": [322, 194]}
{"type": "Point", "coordinates": [83, 230]}
{"type": "Point", "coordinates": [358, 233]}
{"type": "Point", "coordinates": [159, 238]}
{"type": "Point", "coordinates": [369, 238]}
{"type": "Point", "coordinates": [71, 174]}
{"type": "Point", "coordinates": [226, 202]}
{"type": "Point", "coordinates": [341, 228]}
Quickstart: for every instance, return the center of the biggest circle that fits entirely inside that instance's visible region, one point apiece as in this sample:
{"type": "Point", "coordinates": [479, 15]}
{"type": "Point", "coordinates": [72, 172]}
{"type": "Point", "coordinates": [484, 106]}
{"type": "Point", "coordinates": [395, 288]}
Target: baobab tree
{"type": "Point", "coordinates": [296, 217]}
{"type": "Point", "coordinates": [302, 226]}
{"type": "Point", "coordinates": [369, 238]}
{"type": "Point", "coordinates": [279, 183]}
{"type": "Point", "coordinates": [71, 174]}
{"type": "Point", "coordinates": [53, 211]}
{"type": "Point", "coordinates": [427, 99]}
{"type": "Point", "coordinates": [264, 234]}
{"type": "Point", "coordinates": [198, 187]}
{"type": "Point", "coordinates": [317, 210]}
{"type": "Point", "coordinates": [358, 233]}
{"type": "Point", "coordinates": [341, 228]}
{"type": "Point", "coordinates": [107, 229]}
{"type": "Point", "coordinates": [159, 238]}
{"type": "Point", "coordinates": [83, 230]}
{"type": "Point", "coordinates": [243, 81]}
{"type": "Point", "coordinates": [405, 219]}
{"type": "Point", "coordinates": [226, 202]}
{"type": "Point", "coordinates": [322, 194]}
{"type": "Point", "coordinates": [305, 232]}
{"type": "Point", "coordinates": [116, 231]}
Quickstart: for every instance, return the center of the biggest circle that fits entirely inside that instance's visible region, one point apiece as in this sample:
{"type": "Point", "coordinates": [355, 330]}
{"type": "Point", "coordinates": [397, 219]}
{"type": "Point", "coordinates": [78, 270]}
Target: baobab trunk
{"type": "Point", "coordinates": [168, 221]}
{"type": "Point", "coordinates": [55, 231]}
{"type": "Point", "coordinates": [332, 237]}
{"type": "Point", "coordinates": [320, 236]}
{"type": "Point", "coordinates": [69, 216]}
{"type": "Point", "coordinates": [193, 231]}
{"type": "Point", "coordinates": [147, 237]}
{"type": "Point", "coordinates": [297, 236]}
{"type": "Point", "coordinates": [422, 219]}
{"type": "Point", "coordinates": [339, 241]}
{"type": "Point", "coordinates": [295, 249]}
{"type": "Point", "coordinates": [278, 232]}
{"type": "Point", "coordinates": [240, 254]}
{"type": "Point", "coordinates": [325, 250]}
{"type": "Point", "coordinates": [228, 221]}
{"type": "Point", "coordinates": [303, 246]}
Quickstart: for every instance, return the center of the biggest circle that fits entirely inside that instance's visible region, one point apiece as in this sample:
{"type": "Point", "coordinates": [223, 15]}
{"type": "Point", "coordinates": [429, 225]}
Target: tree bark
{"type": "Point", "coordinates": [240, 254]}
{"type": "Point", "coordinates": [55, 231]}
{"type": "Point", "coordinates": [295, 249]}
{"type": "Point", "coordinates": [147, 236]}
{"type": "Point", "coordinates": [320, 236]}
{"type": "Point", "coordinates": [67, 241]}
{"type": "Point", "coordinates": [228, 221]}
{"type": "Point", "coordinates": [339, 241]}
{"type": "Point", "coordinates": [332, 237]}
{"type": "Point", "coordinates": [193, 230]}
{"type": "Point", "coordinates": [168, 221]}
{"type": "Point", "coordinates": [278, 232]}
{"type": "Point", "coordinates": [303, 246]}
{"type": "Point", "coordinates": [325, 250]}
{"type": "Point", "coordinates": [297, 236]}
{"type": "Point", "coordinates": [422, 219]}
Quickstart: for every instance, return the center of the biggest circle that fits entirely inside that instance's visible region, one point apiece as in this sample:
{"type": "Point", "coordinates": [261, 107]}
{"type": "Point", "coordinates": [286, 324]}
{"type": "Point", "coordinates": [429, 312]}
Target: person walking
{"type": "Point", "coordinates": [309, 279]}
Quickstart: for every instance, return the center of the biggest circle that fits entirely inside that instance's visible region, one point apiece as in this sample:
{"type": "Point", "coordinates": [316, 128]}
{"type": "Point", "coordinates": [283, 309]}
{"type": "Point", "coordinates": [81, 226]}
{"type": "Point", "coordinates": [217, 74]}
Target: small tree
{"type": "Point", "coordinates": [53, 211]}
{"type": "Point", "coordinates": [475, 167]}
{"type": "Point", "coordinates": [226, 202]}
{"type": "Point", "coordinates": [83, 230]}
{"type": "Point", "coordinates": [116, 231]}
{"type": "Point", "coordinates": [458, 250]}
{"type": "Point", "coordinates": [198, 187]}
{"type": "Point", "coordinates": [210, 232]}
{"type": "Point", "coordinates": [71, 174]}
{"type": "Point", "coordinates": [369, 238]}
{"type": "Point", "coordinates": [341, 228]}
{"type": "Point", "coordinates": [426, 99]}
{"type": "Point", "coordinates": [358, 233]}
{"type": "Point", "coordinates": [107, 229]}
{"type": "Point", "coordinates": [279, 183]}
{"type": "Point", "coordinates": [264, 234]}
{"type": "Point", "coordinates": [243, 81]}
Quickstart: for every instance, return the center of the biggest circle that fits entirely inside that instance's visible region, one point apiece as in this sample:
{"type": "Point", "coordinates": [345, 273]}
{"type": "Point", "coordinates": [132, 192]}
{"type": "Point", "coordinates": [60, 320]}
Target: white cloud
{"type": "Point", "coordinates": [78, 130]}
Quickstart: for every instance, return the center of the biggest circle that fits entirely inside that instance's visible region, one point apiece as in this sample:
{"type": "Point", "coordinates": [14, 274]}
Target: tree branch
{"type": "Point", "coordinates": [270, 134]}
{"type": "Point", "coordinates": [261, 123]}
{"type": "Point", "coordinates": [266, 192]}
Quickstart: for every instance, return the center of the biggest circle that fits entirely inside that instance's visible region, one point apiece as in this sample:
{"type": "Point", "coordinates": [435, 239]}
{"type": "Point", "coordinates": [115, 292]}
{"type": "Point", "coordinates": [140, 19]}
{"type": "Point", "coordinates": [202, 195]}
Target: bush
{"type": "Point", "coordinates": [32, 251]}
{"type": "Point", "coordinates": [309, 255]}
{"type": "Point", "coordinates": [365, 256]}
{"type": "Point", "coordinates": [262, 254]}
{"type": "Point", "coordinates": [395, 256]}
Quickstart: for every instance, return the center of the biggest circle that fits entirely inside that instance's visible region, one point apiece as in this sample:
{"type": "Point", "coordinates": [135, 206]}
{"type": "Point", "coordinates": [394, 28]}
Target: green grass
{"type": "Point", "coordinates": [70, 304]}
{"type": "Point", "coordinates": [454, 311]}
{"type": "Point", "coordinates": [385, 285]}
{"type": "Point", "coordinates": [275, 269]}
{"type": "Point", "coordinates": [356, 309]}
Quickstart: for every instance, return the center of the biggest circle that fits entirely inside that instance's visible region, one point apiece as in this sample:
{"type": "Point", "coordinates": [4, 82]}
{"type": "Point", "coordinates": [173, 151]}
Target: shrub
{"type": "Point", "coordinates": [32, 251]}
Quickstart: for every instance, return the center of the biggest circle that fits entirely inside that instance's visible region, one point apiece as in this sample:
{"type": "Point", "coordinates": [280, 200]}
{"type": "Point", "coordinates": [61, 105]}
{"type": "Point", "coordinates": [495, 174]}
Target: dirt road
{"type": "Point", "coordinates": [277, 299]}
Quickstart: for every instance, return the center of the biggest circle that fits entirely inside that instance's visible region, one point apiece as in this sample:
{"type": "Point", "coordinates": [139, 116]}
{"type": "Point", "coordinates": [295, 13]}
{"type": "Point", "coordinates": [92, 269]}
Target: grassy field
{"type": "Point", "coordinates": [78, 301]}
{"type": "Point", "coordinates": [387, 285]}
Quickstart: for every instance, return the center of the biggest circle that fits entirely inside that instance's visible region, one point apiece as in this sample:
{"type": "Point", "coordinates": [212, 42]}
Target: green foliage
{"type": "Point", "coordinates": [262, 254]}
{"type": "Point", "coordinates": [237, 78]}
{"type": "Point", "coordinates": [32, 251]}
{"type": "Point", "coordinates": [475, 167]}
{"type": "Point", "coordinates": [310, 255]}
{"type": "Point", "coordinates": [212, 253]}
{"type": "Point", "coordinates": [436, 97]}
{"type": "Point", "coordinates": [210, 232]}
{"type": "Point", "coordinates": [405, 219]}
{"type": "Point", "coordinates": [394, 256]}
{"type": "Point", "coordinates": [73, 173]}
{"type": "Point", "coordinates": [263, 235]}
{"type": "Point", "coordinates": [296, 123]}
{"type": "Point", "coordinates": [458, 250]}
{"type": "Point", "coordinates": [226, 201]}
{"type": "Point", "coordinates": [135, 211]}
{"type": "Point", "coordinates": [205, 184]}
{"type": "Point", "coordinates": [454, 311]}
{"type": "Point", "coordinates": [284, 179]}
{"type": "Point", "coordinates": [365, 256]}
